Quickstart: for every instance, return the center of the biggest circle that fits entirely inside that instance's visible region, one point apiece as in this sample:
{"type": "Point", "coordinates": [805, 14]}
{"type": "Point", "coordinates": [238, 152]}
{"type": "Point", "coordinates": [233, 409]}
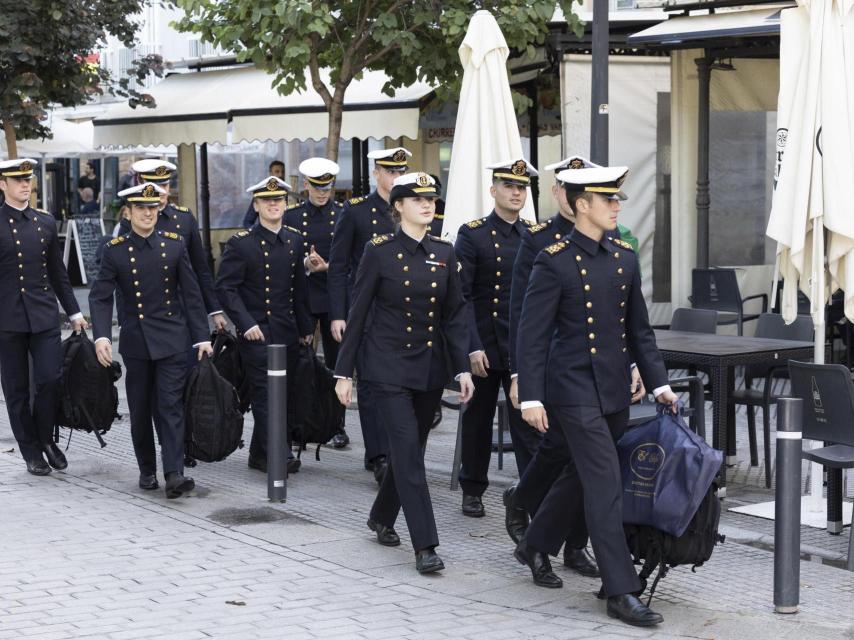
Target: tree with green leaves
{"type": "Point", "coordinates": [45, 47]}
{"type": "Point", "coordinates": [408, 40]}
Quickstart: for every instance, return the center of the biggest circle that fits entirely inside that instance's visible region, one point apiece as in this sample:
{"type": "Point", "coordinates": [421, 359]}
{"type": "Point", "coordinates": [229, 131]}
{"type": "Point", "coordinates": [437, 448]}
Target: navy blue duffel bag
{"type": "Point", "coordinates": [667, 470]}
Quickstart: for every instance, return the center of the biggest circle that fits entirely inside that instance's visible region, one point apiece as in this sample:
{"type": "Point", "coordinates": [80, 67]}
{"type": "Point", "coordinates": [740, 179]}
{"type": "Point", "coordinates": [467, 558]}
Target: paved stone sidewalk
{"type": "Point", "coordinates": [87, 555]}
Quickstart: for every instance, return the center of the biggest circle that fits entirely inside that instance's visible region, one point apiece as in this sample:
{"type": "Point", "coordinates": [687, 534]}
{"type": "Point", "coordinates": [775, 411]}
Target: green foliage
{"type": "Point", "coordinates": [409, 40]}
{"type": "Point", "coordinates": [43, 49]}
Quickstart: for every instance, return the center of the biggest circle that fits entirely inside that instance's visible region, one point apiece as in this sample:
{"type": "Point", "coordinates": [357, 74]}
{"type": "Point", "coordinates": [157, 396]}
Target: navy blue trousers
{"type": "Point", "coordinates": [32, 425]}
{"type": "Point", "coordinates": [406, 415]}
{"type": "Point", "coordinates": [477, 433]}
{"type": "Point", "coordinates": [155, 390]}
{"type": "Point", "coordinates": [370, 419]}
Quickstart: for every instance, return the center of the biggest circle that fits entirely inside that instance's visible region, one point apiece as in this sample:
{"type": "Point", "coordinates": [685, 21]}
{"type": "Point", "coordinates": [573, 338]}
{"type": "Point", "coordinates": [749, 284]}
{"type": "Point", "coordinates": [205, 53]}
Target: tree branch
{"type": "Point", "coordinates": [314, 72]}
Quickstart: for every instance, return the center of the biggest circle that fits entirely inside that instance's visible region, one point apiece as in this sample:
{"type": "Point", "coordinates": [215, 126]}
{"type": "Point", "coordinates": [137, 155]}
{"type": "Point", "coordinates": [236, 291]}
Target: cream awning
{"type": "Point", "coordinates": [231, 105]}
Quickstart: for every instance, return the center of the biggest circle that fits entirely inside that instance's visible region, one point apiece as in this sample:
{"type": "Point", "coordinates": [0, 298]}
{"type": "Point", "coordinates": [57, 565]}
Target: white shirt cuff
{"type": "Point", "coordinates": [102, 338]}
{"type": "Point", "coordinates": [659, 390]}
{"type": "Point", "coordinates": [513, 376]}
{"type": "Point", "coordinates": [474, 352]}
{"type": "Point", "coordinates": [634, 365]}
{"type": "Point", "coordinates": [76, 316]}
{"type": "Point", "coordinates": [213, 313]}
{"type": "Point", "coordinates": [530, 404]}
{"type": "Point", "coordinates": [254, 326]}
{"type": "Point", "coordinates": [460, 375]}
{"type": "Point", "coordinates": [342, 378]}
{"type": "Point", "coordinates": [199, 344]}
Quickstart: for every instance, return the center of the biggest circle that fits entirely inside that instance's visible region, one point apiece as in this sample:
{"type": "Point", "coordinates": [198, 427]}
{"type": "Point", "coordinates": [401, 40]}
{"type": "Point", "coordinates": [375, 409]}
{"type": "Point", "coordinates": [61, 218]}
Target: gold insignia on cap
{"type": "Point", "coordinates": [272, 185]}
{"type": "Point", "coordinates": [161, 171]}
{"type": "Point", "coordinates": [576, 163]}
{"type": "Point", "coordinates": [399, 155]}
{"type": "Point", "coordinates": [148, 191]}
{"type": "Point", "coordinates": [25, 166]}
{"type": "Point", "coordinates": [519, 167]}
{"type": "Point", "coordinates": [423, 180]}
{"type": "Point", "coordinates": [326, 177]}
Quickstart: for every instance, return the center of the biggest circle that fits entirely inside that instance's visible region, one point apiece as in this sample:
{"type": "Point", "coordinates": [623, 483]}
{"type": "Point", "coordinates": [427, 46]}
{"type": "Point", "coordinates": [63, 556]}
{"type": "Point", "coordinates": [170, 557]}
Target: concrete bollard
{"type": "Point", "coordinates": [787, 507]}
{"type": "Point", "coordinates": [277, 422]}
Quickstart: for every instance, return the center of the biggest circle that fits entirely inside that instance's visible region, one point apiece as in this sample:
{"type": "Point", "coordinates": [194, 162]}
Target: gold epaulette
{"type": "Point", "coordinates": [556, 248]}
{"type": "Point", "coordinates": [474, 224]}
{"type": "Point", "coordinates": [180, 208]}
{"type": "Point", "coordinates": [117, 240]}
{"type": "Point", "coordinates": [539, 227]}
{"type": "Point", "coordinates": [381, 239]}
{"type": "Point", "coordinates": [293, 206]}
{"type": "Point", "coordinates": [439, 216]}
{"type": "Point", "coordinates": [528, 223]}
{"type": "Point", "coordinates": [621, 243]}
{"type": "Point", "coordinates": [170, 235]}
{"type": "Point", "coordinates": [241, 234]}
{"type": "Point", "coordinates": [296, 231]}
{"type": "Point", "coordinates": [47, 213]}
{"type": "Point", "coordinates": [356, 200]}
{"type": "Point", "coordinates": [438, 239]}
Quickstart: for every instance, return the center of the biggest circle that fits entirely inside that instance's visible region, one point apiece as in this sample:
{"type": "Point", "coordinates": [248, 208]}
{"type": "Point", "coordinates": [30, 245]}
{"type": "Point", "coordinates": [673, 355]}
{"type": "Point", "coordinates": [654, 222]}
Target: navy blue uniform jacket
{"type": "Point", "coordinates": [317, 226]}
{"type": "Point", "coordinates": [181, 221]}
{"type": "Point", "coordinates": [359, 221]}
{"type": "Point", "coordinates": [418, 325]}
{"type": "Point", "coordinates": [533, 241]}
{"type": "Point", "coordinates": [583, 322]}
{"type": "Point", "coordinates": [486, 248]}
{"type": "Point", "coordinates": [261, 281]}
{"type": "Point", "coordinates": [162, 306]}
{"type": "Point", "coordinates": [33, 273]}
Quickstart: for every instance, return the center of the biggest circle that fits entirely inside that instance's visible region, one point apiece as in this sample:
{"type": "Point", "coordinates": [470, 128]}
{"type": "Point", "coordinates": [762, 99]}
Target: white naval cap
{"type": "Point", "coordinates": [604, 180]}
{"type": "Point", "coordinates": [319, 172]}
{"type": "Point", "coordinates": [395, 158]}
{"type": "Point", "coordinates": [516, 170]}
{"type": "Point", "coordinates": [154, 170]}
{"type": "Point", "coordinates": [270, 187]}
{"type": "Point", "coordinates": [17, 168]}
{"type": "Point", "coordinates": [413, 185]}
{"type": "Point", "coordinates": [144, 194]}
{"type": "Point", "coordinates": [572, 162]}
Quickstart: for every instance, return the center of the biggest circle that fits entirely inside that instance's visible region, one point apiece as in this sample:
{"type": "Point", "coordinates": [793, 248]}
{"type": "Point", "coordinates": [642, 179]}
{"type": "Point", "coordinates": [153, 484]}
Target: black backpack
{"type": "Point", "coordinates": [88, 399]}
{"type": "Point", "coordinates": [214, 423]}
{"type": "Point", "coordinates": [653, 548]}
{"type": "Point", "coordinates": [316, 414]}
{"type": "Point", "coordinates": [226, 358]}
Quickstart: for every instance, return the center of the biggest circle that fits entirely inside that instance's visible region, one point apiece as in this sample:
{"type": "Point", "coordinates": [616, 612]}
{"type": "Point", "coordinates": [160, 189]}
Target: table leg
{"type": "Point", "coordinates": [720, 396]}
{"type": "Point", "coordinates": [730, 419]}
{"type": "Point", "coordinates": [834, 500]}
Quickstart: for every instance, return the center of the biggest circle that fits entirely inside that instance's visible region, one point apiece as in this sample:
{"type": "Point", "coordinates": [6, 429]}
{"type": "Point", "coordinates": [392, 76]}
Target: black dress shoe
{"type": "Point", "coordinates": [148, 482]}
{"type": "Point", "coordinates": [340, 440]}
{"type": "Point", "coordinates": [380, 469]}
{"type": "Point", "coordinates": [38, 467]}
{"type": "Point", "coordinates": [580, 561]}
{"type": "Point", "coordinates": [54, 455]}
{"type": "Point", "coordinates": [632, 611]}
{"type": "Point", "coordinates": [386, 536]}
{"type": "Point", "coordinates": [539, 564]}
{"type": "Point", "coordinates": [426, 561]}
{"type": "Point", "coordinates": [294, 464]}
{"type": "Point", "coordinates": [258, 462]}
{"type": "Point", "coordinates": [515, 517]}
{"type": "Point", "coordinates": [177, 484]}
{"type": "Point", "coordinates": [473, 506]}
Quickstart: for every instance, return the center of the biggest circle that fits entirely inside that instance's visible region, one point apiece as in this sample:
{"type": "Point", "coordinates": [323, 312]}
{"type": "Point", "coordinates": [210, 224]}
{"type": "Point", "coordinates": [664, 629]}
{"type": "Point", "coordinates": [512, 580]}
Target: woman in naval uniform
{"type": "Point", "coordinates": [408, 286]}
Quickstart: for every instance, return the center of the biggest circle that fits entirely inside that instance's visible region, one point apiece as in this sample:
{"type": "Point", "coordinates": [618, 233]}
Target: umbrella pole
{"type": "Point", "coordinates": [814, 503]}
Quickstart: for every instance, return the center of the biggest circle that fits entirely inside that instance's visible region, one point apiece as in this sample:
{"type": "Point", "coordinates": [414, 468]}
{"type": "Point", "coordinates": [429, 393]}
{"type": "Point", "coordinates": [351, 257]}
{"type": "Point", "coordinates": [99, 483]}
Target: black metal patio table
{"type": "Point", "coordinates": [721, 354]}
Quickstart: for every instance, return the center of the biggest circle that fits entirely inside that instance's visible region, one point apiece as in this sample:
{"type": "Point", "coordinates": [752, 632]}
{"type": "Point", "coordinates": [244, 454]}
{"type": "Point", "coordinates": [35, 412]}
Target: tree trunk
{"type": "Point", "coordinates": [333, 137]}
{"type": "Point", "coordinates": [11, 138]}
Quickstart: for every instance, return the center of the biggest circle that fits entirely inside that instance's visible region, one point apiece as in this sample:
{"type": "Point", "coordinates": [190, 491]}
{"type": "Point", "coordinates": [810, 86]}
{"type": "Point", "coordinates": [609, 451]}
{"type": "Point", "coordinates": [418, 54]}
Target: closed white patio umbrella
{"type": "Point", "coordinates": [486, 130]}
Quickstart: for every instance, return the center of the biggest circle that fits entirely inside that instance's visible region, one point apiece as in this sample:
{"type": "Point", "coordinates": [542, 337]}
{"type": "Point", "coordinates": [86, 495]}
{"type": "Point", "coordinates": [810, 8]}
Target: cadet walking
{"type": "Point", "coordinates": [315, 219]}
{"type": "Point", "coordinates": [262, 285]}
{"type": "Point", "coordinates": [583, 318]}
{"type": "Point", "coordinates": [407, 319]}
{"type": "Point", "coordinates": [362, 219]}
{"type": "Point", "coordinates": [34, 277]}
{"type": "Point", "coordinates": [486, 248]}
{"type": "Point", "coordinates": [163, 313]}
